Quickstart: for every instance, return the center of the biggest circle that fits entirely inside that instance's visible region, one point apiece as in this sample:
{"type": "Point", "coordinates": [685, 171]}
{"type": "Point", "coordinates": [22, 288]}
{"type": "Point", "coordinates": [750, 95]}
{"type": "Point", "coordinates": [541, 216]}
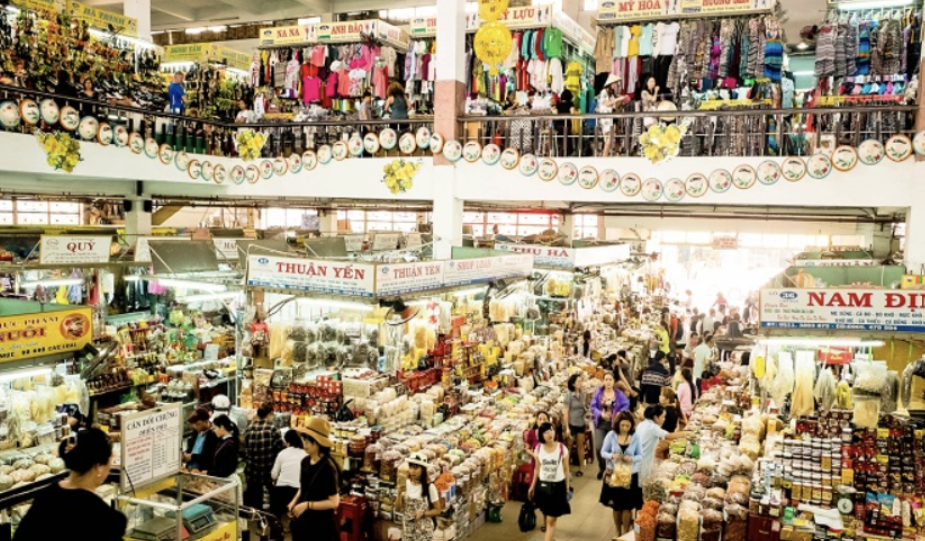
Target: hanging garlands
{"type": "Point", "coordinates": [493, 41]}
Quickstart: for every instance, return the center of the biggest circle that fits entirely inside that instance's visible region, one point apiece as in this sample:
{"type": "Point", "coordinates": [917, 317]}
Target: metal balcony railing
{"type": "Point", "coordinates": [214, 137]}
{"type": "Point", "coordinates": [747, 133]}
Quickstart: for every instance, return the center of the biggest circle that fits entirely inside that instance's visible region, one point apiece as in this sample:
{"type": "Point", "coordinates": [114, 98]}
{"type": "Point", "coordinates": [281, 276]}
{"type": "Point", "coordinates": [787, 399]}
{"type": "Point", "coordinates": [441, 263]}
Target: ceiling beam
{"type": "Point", "coordinates": [318, 7]}
{"type": "Point", "coordinates": [175, 9]}
{"type": "Point", "coordinates": [247, 6]}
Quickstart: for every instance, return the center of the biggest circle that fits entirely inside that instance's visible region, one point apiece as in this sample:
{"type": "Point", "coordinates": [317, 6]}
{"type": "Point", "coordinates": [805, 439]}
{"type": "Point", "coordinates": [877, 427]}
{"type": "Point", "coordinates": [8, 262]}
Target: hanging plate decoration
{"type": "Point", "coordinates": [720, 181]}
{"type": "Point", "coordinates": [266, 169]}
{"type": "Point", "coordinates": [208, 171]}
{"type": "Point", "coordinates": [295, 163]}
{"type": "Point", "coordinates": [918, 143]}
{"type": "Point", "coordinates": [768, 172]}
{"type": "Point", "coordinates": [339, 151]}
{"type": "Point", "coordinates": [491, 154]}
{"type": "Point", "coordinates": [898, 148]}
{"type": "Point", "coordinates": [472, 151]}
{"type": "Point", "coordinates": [220, 174]}
{"type": "Point", "coordinates": [652, 189]}
{"type": "Point", "coordinates": [696, 185]}
{"type": "Point", "coordinates": [151, 147]}
{"type": "Point", "coordinates": [675, 190]}
{"type": "Point", "coordinates": [181, 160]}
{"type": "Point", "coordinates": [528, 165]}
{"type": "Point", "coordinates": [355, 145]}
{"type": "Point", "coordinates": [452, 150]}
{"type": "Point", "coordinates": [793, 169]}
{"type": "Point", "coordinates": [819, 165]}
{"type": "Point", "coordinates": [88, 128]}
{"type": "Point", "coordinates": [588, 177]}
{"type": "Point", "coordinates": [324, 154]}
{"type": "Point", "coordinates": [845, 158]}
{"type": "Point", "coordinates": [309, 160]}
{"type": "Point", "coordinates": [51, 114]}
{"type": "Point", "coordinates": [104, 135]}
{"type": "Point", "coordinates": [252, 174]}
{"type": "Point", "coordinates": [630, 185]}
{"type": "Point", "coordinates": [371, 143]}
{"type": "Point", "coordinates": [423, 137]}
{"type": "Point", "coordinates": [436, 143]}
{"type": "Point", "coordinates": [70, 118]}
{"type": "Point", "coordinates": [136, 142]}
{"type": "Point", "coordinates": [744, 177]}
{"type": "Point", "coordinates": [407, 144]}
{"type": "Point", "coordinates": [493, 43]}
{"type": "Point", "coordinates": [237, 174]}
{"type": "Point", "coordinates": [166, 154]}
{"type": "Point", "coordinates": [548, 169]}
{"type": "Point", "coordinates": [568, 173]}
{"type": "Point", "coordinates": [31, 114]}
{"type": "Point", "coordinates": [870, 152]}
{"type": "Point", "coordinates": [610, 180]}
{"type": "Point", "coordinates": [120, 136]}
{"type": "Point", "coordinates": [492, 10]}
{"type": "Point", "coordinates": [510, 158]}
{"type": "Point", "coordinates": [280, 166]}
{"type": "Point", "coordinates": [194, 169]}
{"type": "Point", "coordinates": [388, 138]}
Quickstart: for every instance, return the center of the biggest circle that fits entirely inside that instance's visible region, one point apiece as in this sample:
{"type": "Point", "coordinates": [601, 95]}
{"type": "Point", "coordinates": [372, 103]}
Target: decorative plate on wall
{"type": "Point", "coordinates": [295, 163]}
{"type": "Point", "coordinates": [220, 175]}
{"type": "Point", "coordinates": [675, 190]}
{"type": "Point", "coordinates": [325, 154]}
{"type": "Point", "coordinates": [528, 165]}
{"type": "Point", "coordinates": [30, 112]}
{"type": "Point", "coordinates": [88, 128]}
{"type": "Point", "coordinates": [588, 177]}
{"type": "Point", "coordinates": [388, 138]}
{"type": "Point", "coordinates": [491, 154]}
{"type": "Point", "coordinates": [568, 173]}
{"type": "Point", "coordinates": [548, 169]}
{"type": "Point", "coordinates": [744, 177]}
{"type": "Point", "coordinates": [237, 174]}
{"type": "Point", "coordinates": [136, 142]}
{"type": "Point", "coordinates": [436, 143]}
{"type": "Point", "coordinates": [166, 154]}
{"type": "Point", "coordinates": [630, 185]}
{"type": "Point", "coordinates": [309, 160]}
{"type": "Point", "coordinates": [609, 180]}
{"type": "Point", "coordinates": [898, 148]}
{"type": "Point", "coordinates": [818, 166]}
{"type": "Point", "coordinates": [194, 170]}
{"type": "Point", "coordinates": [845, 158]}
{"type": "Point", "coordinates": [70, 118]}
{"type": "Point", "coordinates": [423, 137]}
{"type": "Point", "coordinates": [793, 169]}
{"type": "Point", "coordinates": [151, 148]}
{"type": "Point", "coordinates": [652, 189]}
{"type": "Point", "coordinates": [768, 172]}
{"type": "Point", "coordinates": [870, 152]}
{"type": "Point", "coordinates": [720, 181]}
{"type": "Point", "coordinates": [208, 171]}
{"type": "Point", "coordinates": [918, 143]}
{"type": "Point", "coordinates": [181, 160]}
{"type": "Point", "coordinates": [509, 158]}
{"type": "Point", "coordinates": [120, 136]}
{"type": "Point", "coordinates": [266, 169]}
{"type": "Point", "coordinates": [50, 112]}
{"type": "Point", "coordinates": [371, 143]}
{"type": "Point", "coordinates": [472, 151]}
{"type": "Point", "coordinates": [339, 151]}
{"type": "Point", "coordinates": [407, 143]}
{"type": "Point", "coordinates": [453, 150]}
{"type": "Point", "coordinates": [697, 185]}
{"type": "Point", "coordinates": [104, 135]}
{"type": "Point", "coordinates": [280, 166]}
{"type": "Point", "coordinates": [355, 145]}
{"type": "Point", "coordinates": [252, 174]}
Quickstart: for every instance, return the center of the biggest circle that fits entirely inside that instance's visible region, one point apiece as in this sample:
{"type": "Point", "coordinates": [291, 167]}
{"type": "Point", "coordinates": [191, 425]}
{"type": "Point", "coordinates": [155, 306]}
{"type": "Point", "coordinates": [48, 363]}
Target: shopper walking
{"type": "Point", "coordinates": [687, 393]}
{"type": "Point", "coordinates": [418, 501]}
{"type": "Point", "coordinates": [621, 446]}
{"type": "Point", "coordinates": [225, 463]}
{"type": "Point", "coordinates": [550, 487]}
{"type": "Point", "coordinates": [262, 443]}
{"type": "Point", "coordinates": [286, 471]}
{"type": "Point", "coordinates": [200, 449]}
{"type": "Point", "coordinates": [397, 104]}
{"type": "Point", "coordinates": [314, 504]}
{"type": "Point", "coordinates": [605, 404]}
{"type": "Point", "coordinates": [576, 405]}
{"type": "Point", "coordinates": [654, 377]}
{"type": "Point", "coordinates": [70, 509]}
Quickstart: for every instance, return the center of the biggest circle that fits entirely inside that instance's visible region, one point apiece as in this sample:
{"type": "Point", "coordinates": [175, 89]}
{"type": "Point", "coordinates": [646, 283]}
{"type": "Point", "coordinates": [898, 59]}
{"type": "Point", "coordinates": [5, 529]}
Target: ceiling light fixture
{"type": "Point", "coordinates": [188, 284]}
{"type": "Point", "coordinates": [54, 283]}
{"type": "Point", "coordinates": [802, 46]}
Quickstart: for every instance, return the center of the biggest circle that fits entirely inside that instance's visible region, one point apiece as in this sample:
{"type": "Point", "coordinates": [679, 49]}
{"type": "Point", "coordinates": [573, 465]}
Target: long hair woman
{"type": "Point", "coordinates": [621, 445]}
{"type": "Point", "coordinates": [418, 501]}
{"type": "Point", "coordinates": [687, 392]}
{"type": "Point", "coordinates": [605, 404]}
{"type": "Point", "coordinates": [576, 407]}
{"type": "Point", "coordinates": [225, 463]}
{"type": "Point", "coordinates": [313, 506]}
{"type": "Point", "coordinates": [550, 486]}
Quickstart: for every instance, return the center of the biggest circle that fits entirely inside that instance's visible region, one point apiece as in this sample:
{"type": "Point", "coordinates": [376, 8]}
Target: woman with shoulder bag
{"type": "Point", "coordinates": [314, 504]}
{"type": "Point", "coordinates": [419, 501]}
{"type": "Point", "coordinates": [550, 487]}
{"type": "Point", "coordinates": [577, 413]}
{"type": "Point", "coordinates": [621, 445]}
{"type": "Point", "coordinates": [607, 402]}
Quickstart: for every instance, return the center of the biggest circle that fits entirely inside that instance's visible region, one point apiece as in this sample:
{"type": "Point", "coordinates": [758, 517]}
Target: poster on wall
{"type": "Point", "coordinates": [321, 276]}
{"type": "Point", "coordinates": [45, 333]}
{"type": "Point", "coordinates": [73, 249]}
{"type": "Point", "coordinates": [151, 442]}
{"type": "Point", "coordinates": [843, 309]}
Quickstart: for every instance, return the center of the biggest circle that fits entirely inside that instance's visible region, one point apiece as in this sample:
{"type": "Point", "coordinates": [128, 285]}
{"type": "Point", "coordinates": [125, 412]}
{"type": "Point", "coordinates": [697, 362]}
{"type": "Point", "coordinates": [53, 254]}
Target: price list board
{"type": "Point", "coordinates": [151, 443]}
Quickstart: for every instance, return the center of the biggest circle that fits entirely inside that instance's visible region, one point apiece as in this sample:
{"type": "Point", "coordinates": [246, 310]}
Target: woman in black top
{"type": "Point", "coordinates": [225, 463]}
{"type": "Point", "coordinates": [313, 507]}
{"type": "Point", "coordinates": [70, 509]}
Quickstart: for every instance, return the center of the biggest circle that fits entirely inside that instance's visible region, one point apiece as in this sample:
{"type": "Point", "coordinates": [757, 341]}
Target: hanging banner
{"type": "Point", "coordinates": [833, 263]}
{"type": "Point", "coordinates": [721, 7]}
{"type": "Point", "coordinates": [199, 52]}
{"type": "Point", "coordinates": [151, 442]}
{"type": "Point", "coordinates": [631, 10]}
{"type": "Point", "coordinates": [226, 249]}
{"type": "Point", "coordinates": [55, 6]}
{"type": "Point", "coordinates": [332, 277]}
{"type": "Point", "coordinates": [73, 250]}
{"type": "Point", "coordinates": [402, 278]}
{"type": "Point", "coordinates": [45, 333]}
{"type": "Point", "coordinates": [100, 18]}
{"type": "Point", "coordinates": [288, 35]}
{"type": "Point", "coordinates": [193, 52]}
{"type": "Point", "coordinates": [516, 18]}
{"type": "Point", "coordinates": [346, 31]}
{"type": "Point", "coordinates": [423, 27]}
{"type": "Point", "coordinates": [485, 269]}
{"type": "Point", "coordinates": [544, 256]}
{"type": "Point", "coordinates": [843, 309]}
{"type": "Point", "coordinates": [393, 35]}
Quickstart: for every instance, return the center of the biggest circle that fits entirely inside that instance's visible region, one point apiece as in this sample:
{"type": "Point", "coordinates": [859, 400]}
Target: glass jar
{"type": "Point", "coordinates": [826, 461]}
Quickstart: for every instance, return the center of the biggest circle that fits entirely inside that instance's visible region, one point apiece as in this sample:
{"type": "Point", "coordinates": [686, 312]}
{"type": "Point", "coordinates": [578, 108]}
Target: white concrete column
{"type": "Point", "coordinates": [448, 214]}
{"type": "Point", "coordinates": [567, 226]}
{"type": "Point", "coordinates": [327, 220]}
{"type": "Point", "coordinates": [449, 91]}
{"type": "Point", "coordinates": [137, 221]}
{"type": "Point", "coordinates": [140, 10]}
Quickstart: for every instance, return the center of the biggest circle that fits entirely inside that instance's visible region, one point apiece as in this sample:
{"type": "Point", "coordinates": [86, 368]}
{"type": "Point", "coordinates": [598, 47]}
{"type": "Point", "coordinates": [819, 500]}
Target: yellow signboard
{"type": "Point", "coordinates": [185, 53]}
{"type": "Point", "coordinates": [288, 35]}
{"type": "Point", "coordinates": [100, 18]}
{"type": "Point", "coordinates": [44, 333]}
{"type": "Point", "coordinates": [198, 52]}
{"type": "Point", "coordinates": [42, 5]}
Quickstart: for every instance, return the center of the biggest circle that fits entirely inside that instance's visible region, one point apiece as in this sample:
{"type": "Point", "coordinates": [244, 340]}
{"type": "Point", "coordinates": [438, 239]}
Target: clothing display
{"type": "Point", "coordinates": [853, 44]}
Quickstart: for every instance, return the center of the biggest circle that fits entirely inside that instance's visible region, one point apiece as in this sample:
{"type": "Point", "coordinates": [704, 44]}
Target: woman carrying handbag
{"type": "Point", "coordinates": [550, 487]}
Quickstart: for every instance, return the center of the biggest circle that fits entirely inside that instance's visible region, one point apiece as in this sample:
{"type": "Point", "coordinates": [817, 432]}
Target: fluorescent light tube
{"type": "Point", "coordinates": [189, 284]}
{"type": "Point", "coordinates": [54, 283]}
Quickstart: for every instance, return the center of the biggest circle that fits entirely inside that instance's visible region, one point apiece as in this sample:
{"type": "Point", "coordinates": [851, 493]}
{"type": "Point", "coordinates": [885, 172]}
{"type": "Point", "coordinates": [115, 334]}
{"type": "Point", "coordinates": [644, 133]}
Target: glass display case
{"type": "Point", "coordinates": [183, 507]}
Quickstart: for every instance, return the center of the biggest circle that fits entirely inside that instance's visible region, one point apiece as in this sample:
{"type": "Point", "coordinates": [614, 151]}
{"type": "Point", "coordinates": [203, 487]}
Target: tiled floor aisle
{"type": "Point", "coordinates": [589, 521]}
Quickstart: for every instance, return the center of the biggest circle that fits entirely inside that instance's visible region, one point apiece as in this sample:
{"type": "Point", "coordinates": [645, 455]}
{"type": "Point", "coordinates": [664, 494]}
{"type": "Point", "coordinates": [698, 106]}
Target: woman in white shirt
{"type": "Point", "coordinates": [550, 487]}
{"type": "Point", "coordinates": [285, 474]}
{"type": "Point", "coordinates": [418, 501]}
{"type": "Point", "coordinates": [608, 101]}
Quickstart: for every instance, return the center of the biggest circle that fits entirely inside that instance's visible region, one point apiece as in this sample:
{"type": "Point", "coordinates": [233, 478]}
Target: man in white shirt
{"type": "Point", "coordinates": [709, 322]}
{"type": "Point", "coordinates": [703, 354]}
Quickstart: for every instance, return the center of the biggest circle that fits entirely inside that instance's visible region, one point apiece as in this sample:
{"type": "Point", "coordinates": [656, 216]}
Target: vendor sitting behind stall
{"type": "Point", "coordinates": [200, 449]}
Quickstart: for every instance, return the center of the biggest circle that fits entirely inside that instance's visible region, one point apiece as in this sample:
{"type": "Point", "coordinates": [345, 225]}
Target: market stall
{"type": "Point", "coordinates": [216, 78]}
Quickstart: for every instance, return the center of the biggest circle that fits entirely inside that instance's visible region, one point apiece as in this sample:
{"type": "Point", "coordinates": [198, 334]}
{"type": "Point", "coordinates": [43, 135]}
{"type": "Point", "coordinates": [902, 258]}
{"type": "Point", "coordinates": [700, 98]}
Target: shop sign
{"type": "Point", "coordinates": [354, 243]}
{"type": "Point", "coordinates": [143, 249]}
{"type": "Point", "coordinates": [234, 59]}
{"type": "Point", "coordinates": [629, 10]}
{"type": "Point", "coordinates": [544, 256]}
{"type": "Point", "coordinates": [413, 240]}
{"type": "Point", "coordinates": [226, 249]}
{"type": "Point", "coordinates": [833, 263]}
{"type": "Point", "coordinates": [288, 35]}
{"type": "Point", "coordinates": [45, 333]}
{"type": "Point", "coordinates": [185, 53]}
{"type": "Point", "coordinates": [386, 241]}
{"type": "Point", "coordinates": [485, 269]}
{"type": "Point", "coordinates": [423, 26]}
{"type": "Point", "coordinates": [315, 275]}
{"type": "Point", "coordinates": [516, 18]}
{"type": "Point", "coordinates": [401, 278]}
{"type": "Point", "coordinates": [393, 35]}
{"type": "Point", "coordinates": [151, 442]}
{"type": "Point", "coordinates": [100, 18]}
{"type": "Point", "coordinates": [725, 243]}
{"type": "Point", "coordinates": [843, 309]}
{"type": "Point", "coordinates": [346, 31]}
{"type": "Point", "coordinates": [42, 5]}
{"type": "Point", "coordinates": [67, 250]}
{"type": "Point", "coordinates": [720, 7]}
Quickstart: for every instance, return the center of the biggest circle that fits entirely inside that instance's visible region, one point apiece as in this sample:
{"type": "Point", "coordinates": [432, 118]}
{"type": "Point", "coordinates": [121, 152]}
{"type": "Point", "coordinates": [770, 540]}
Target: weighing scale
{"type": "Point", "coordinates": [158, 529]}
{"type": "Point", "coordinates": [196, 518]}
